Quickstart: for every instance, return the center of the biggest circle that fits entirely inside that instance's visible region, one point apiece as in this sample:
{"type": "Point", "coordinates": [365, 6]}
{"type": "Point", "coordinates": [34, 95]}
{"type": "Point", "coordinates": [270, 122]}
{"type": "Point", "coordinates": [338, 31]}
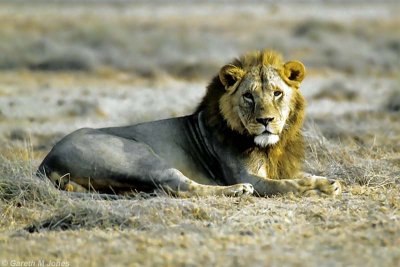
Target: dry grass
{"type": "Point", "coordinates": [40, 222]}
{"type": "Point", "coordinates": [66, 66]}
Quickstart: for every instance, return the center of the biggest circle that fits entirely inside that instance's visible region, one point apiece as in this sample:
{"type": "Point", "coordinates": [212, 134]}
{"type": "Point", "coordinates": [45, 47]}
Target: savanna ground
{"type": "Point", "coordinates": [95, 64]}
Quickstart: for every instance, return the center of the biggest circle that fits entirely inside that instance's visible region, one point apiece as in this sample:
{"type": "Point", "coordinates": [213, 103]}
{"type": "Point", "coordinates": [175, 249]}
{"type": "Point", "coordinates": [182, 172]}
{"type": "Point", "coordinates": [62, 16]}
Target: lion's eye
{"type": "Point", "coordinates": [277, 93]}
{"type": "Point", "coordinates": [248, 96]}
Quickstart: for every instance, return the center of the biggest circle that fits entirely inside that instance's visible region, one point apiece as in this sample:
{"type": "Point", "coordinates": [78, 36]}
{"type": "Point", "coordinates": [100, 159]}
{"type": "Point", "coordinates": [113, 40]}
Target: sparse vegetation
{"type": "Point", "coordinates": [392, 103]}
{"type": "Point", "coordinates": [128, 36]}
{"type": "Point", "coordinates": [97, 64]}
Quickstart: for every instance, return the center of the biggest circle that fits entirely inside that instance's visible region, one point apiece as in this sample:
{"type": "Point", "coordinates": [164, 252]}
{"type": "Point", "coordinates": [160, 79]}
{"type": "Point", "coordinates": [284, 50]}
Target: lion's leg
{"type": "Point", "coordinates": [64, 182]}
{"type": "Point", "coordinates": [196, 189]}
{"type": "Point", "coordinates": [305, 185]}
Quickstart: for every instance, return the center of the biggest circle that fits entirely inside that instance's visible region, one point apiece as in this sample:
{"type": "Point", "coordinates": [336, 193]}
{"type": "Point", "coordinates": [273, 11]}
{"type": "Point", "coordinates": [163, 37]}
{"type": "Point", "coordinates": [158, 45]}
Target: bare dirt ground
{"type": "Point", "coordinates": [99, 63]}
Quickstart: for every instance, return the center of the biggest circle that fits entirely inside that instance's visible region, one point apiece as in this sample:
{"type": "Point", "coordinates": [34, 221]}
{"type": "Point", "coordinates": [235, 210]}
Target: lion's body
{"type": "Point", "coordinates": [181, 143]}
{"type": "Point", "coordinates": [245, 133]}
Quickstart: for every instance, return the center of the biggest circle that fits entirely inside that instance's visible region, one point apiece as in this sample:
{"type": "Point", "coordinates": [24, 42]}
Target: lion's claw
{"type": "Point", "coordinates": [238, 190]}
{"type": "Point", "coordinates": [318, 185]}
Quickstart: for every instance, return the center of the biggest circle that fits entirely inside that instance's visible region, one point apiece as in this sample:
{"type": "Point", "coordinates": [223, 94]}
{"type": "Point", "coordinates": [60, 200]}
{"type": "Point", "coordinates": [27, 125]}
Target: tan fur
{"type": "Point", "coordinates": [282, 160]}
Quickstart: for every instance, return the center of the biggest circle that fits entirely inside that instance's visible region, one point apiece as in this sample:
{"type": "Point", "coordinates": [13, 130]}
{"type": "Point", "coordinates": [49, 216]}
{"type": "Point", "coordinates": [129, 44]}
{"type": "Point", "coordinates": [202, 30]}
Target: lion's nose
{"type": "Point", "coordinates": [265, 121]}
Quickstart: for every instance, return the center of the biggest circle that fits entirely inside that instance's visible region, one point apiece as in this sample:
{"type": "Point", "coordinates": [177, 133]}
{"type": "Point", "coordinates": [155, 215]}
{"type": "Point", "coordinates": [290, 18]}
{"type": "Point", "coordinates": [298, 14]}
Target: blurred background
{"type": "Point", "coordinates": [191, 39]}
{"type": "Point", "coordinates": [71, 64]}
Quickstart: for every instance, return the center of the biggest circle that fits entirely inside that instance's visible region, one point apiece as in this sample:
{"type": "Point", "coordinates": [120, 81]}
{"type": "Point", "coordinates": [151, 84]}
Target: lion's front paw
{"type": "Point", "coordinates": [318, 185]}
{"type": "Point", "coordinates": [238, 190]}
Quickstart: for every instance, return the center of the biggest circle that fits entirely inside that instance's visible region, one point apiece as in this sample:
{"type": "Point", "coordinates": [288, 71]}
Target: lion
{"type": "Point", "coordinates": [244, 138]}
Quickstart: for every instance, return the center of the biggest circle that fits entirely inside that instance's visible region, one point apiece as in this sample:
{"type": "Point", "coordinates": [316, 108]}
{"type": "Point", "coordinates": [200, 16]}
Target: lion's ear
{"type": "Point", "coordinates": [294, 71]}
{"type": "Point", "coordinates": [230, 74]}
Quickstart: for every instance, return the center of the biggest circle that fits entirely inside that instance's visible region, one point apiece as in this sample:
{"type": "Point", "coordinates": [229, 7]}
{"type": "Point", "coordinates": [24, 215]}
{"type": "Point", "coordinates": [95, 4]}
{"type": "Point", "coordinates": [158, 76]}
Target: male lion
{"type": "Point", "coordinates": [244, 138]}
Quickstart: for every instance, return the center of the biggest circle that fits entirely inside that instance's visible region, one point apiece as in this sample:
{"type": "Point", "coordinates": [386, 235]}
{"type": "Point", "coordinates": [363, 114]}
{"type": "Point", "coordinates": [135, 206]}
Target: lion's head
{"type": "Point", "coordinates": [255, 104]}
{"type": "Point", "coordinates": [258, 96]}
